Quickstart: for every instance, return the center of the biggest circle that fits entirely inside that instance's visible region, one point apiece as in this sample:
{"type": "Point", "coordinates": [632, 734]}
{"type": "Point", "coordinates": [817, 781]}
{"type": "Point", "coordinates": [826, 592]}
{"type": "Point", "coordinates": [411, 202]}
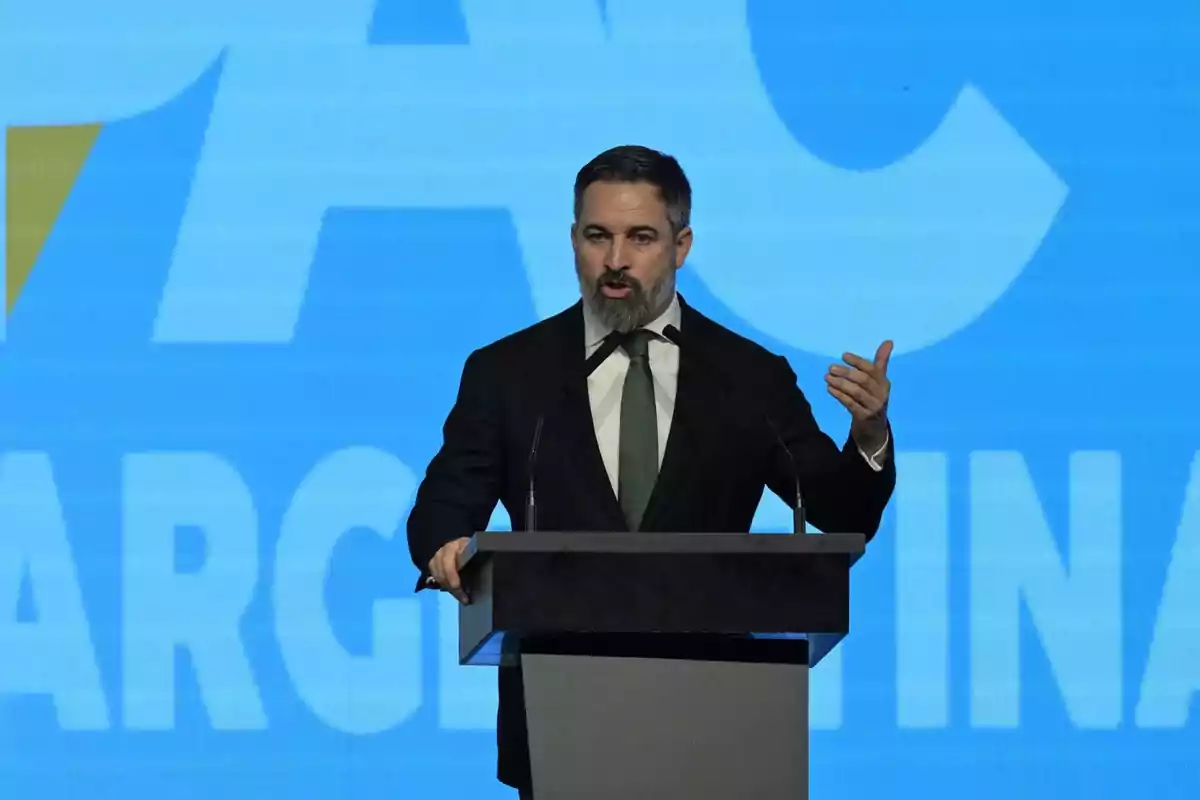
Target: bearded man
{"type": "Point", "coordinates": [652, 417]}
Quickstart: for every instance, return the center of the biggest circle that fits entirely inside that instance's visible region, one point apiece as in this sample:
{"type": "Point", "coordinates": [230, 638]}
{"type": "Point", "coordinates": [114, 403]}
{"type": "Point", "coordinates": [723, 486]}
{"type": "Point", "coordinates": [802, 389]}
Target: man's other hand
{"type": "Point", "coordinates": [444, 568]}
{"type": "Point", "coordinates": [864, 389]}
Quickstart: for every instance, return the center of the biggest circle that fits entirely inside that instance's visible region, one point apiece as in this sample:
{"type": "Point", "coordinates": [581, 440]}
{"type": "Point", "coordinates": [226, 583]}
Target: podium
{"type": "Point", "coordinates": [660, 665]}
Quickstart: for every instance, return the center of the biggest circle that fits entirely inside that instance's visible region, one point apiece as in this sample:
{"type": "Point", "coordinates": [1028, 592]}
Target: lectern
{"type": "Point", "coordinates": [660, 665]}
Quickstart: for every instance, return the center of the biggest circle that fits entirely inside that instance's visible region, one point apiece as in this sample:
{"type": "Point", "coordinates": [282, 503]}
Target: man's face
{"type": "Point", "coordinates": [625, 253]}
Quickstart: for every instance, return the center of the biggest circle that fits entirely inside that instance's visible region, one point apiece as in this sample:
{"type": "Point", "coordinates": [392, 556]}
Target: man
{"type": "Point", "coordinates": [677, 429]}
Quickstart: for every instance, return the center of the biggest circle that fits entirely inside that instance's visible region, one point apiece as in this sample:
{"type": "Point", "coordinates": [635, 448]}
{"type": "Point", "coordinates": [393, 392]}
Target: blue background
{"type": "Point", "coordinates": [1043, 383]}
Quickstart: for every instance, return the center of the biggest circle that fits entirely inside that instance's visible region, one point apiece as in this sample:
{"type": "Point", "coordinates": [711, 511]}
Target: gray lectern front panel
{"type": "Point", "coordinates": [603, 728]}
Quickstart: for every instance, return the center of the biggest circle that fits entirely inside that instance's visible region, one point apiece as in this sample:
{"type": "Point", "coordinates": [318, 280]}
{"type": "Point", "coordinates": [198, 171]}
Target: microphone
{"type": "Point", "coordinates": [531, 497]}
{"type": "Point", "coordinates": [799, 524]}
{"type": "Point", "coordinates": [606, 349]}
{"type": "Point", "coordinates": [593, 361]}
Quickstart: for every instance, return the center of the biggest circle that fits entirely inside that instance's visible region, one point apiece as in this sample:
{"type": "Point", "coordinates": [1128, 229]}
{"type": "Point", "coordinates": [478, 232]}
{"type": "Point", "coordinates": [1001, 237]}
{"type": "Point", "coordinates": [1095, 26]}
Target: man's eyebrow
{"type": "Point", "coordinates": [598, 228]}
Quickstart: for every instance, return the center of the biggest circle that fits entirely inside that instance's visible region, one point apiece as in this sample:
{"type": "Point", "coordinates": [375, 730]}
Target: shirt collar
{"type": "Point", "coordinates": [594, 330]}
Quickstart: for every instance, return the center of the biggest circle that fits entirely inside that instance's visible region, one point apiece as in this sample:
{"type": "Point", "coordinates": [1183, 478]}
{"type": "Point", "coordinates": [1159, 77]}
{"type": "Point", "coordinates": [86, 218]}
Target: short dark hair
{"type": "Point", "coordinates": [632, 163]}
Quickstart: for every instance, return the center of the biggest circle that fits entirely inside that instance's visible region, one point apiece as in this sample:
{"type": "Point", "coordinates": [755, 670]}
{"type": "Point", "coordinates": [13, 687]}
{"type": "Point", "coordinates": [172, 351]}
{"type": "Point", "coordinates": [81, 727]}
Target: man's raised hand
{"type": "Point", "coordinates": [863, 387]}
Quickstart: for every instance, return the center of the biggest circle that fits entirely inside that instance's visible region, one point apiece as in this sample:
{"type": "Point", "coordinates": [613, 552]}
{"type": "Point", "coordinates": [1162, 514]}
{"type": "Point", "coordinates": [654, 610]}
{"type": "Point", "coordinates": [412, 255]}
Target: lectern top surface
{"type": "Point", "coordinates": [851, 544]}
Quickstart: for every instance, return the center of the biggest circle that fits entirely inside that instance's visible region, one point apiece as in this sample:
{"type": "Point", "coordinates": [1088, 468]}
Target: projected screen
{"type": "Point", "coordinates": [250, 244]}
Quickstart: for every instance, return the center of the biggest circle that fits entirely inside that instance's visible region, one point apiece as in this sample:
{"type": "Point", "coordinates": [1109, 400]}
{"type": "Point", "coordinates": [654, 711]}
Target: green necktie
{"type": "Point", "coordinates": [638, 460]}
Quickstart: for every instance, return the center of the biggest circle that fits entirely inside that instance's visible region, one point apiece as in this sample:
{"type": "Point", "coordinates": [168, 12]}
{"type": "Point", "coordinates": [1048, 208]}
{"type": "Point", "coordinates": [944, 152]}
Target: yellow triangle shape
{"type": "Point", "coordinates": [41, 165]}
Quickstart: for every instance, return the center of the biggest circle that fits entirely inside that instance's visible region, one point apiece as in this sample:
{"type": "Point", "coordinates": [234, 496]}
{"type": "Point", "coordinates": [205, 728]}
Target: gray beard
{"type": "Point", "coordinates": [624, 314]}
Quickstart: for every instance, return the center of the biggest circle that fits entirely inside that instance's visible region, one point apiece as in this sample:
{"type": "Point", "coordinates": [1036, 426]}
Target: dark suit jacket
{"type": "Point", "coordinates": [720, 454]}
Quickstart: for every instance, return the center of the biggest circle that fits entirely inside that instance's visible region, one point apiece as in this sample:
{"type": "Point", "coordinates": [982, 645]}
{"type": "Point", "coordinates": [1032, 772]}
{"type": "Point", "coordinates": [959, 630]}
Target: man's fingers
{"type": "Point", "coordinates": [874, 383]}
{"type": "Point", "coordinates": [453, 582]}
{"type": "Point", "coordinates": [845, 391]}
{"type": "Point", "coordinates": [448, 562]}
{"type": "Point", "coordinates": [858, 376]}
{"type": "Point", "coordinates": [876, 367]}
{"type": "Point", "coordinates": [444, 564]}
{"type": "Point", "coordinates": [849, 402]}
{"type": "Point", "coordinates": [863, 398]}
{"type": "Point", "coordinates": [859, 362]}
{"type": "Point", "coordinates": [443, 567]}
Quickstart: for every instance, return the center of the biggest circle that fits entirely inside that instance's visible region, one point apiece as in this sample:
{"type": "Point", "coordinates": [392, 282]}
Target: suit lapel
{"type": "Point", "coordinates": [579, 431]}
{"type": "Point", "coordinates": [681, 455]}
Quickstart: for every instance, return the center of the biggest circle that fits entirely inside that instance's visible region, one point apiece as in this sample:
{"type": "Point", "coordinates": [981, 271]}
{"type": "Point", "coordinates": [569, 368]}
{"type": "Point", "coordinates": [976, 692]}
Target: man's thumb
{"type": "Point", "coordinates": [883, 354]}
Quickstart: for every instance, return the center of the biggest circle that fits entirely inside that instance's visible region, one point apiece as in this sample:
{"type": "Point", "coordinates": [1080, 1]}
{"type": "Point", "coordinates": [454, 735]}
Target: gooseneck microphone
{"type": "Point", "coordinates": [606, 349]}
{"type": "Point", "coordinates": [593, 361]}
{"type": "Point", "coordinates": [799, 524]}
{"type": "Point", "coordinates": [531, 497]}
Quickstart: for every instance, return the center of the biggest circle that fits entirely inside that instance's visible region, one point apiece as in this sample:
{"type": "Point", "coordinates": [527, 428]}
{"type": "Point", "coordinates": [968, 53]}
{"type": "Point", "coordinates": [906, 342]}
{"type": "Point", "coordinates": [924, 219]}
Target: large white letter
{"type": "Point", "coordinates": [202, 610]}
{"type": "Point", "coordinates": [427, 126]}
{"type": "Point", "coordinates": [356, 488]}
{"type": "Point", "coordinates": [53, 655]}
{"type": "Point", "coordinates": [1078, 615]}
{"type": "Point", "coordinates": [1172, 676]}
{"type": "Point", "coordinates": [922, 591]}
{"type": "Point", "coordinates": [65, 62]}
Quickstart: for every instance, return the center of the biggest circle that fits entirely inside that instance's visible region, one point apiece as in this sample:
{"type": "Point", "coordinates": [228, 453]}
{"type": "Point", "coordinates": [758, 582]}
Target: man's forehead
{"type": "Point", "coordinates": [623, 204]}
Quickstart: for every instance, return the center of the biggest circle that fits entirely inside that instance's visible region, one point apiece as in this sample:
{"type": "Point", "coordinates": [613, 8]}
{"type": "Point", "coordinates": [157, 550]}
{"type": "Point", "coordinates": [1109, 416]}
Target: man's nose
{"type": "Point", "coordinates": [618, 258]}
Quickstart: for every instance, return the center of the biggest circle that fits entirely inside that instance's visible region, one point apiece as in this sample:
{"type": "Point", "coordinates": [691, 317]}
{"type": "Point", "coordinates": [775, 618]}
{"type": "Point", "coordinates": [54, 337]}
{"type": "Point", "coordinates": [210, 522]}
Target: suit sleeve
{"type": "Point", "coordinates": [462, 483]}
{"type": "Point", "coordinates": [841, 492]}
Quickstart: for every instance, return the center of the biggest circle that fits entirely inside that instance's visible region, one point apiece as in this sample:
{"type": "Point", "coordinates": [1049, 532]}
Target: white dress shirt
{"type": "Point", "coordinates": [607, 382]}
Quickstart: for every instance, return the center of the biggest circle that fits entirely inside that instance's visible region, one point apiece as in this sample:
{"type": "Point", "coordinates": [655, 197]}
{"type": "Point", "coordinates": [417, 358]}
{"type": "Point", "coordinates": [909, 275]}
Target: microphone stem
{"type": "Point", "coordinates": [531, 500]}
{"type": "Point", "coordinates": [530, 510]}
{"type": "Point", "coordinates": [798, 523]}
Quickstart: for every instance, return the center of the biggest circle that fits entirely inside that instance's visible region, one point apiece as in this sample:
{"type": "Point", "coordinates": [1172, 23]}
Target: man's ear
{"type": "Point", "coordinates": [683, 244]}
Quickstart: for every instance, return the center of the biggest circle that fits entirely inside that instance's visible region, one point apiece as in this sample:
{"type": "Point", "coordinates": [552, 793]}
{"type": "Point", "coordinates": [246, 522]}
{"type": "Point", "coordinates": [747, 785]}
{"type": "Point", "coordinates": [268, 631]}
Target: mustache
{"type": "Point", "coordinates": [615, 279]}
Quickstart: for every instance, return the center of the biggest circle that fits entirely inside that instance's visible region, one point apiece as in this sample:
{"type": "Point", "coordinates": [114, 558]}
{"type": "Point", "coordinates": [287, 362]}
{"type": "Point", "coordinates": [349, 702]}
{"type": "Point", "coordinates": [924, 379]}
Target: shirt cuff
{"type": "Point", "coordinates": [871, 459]}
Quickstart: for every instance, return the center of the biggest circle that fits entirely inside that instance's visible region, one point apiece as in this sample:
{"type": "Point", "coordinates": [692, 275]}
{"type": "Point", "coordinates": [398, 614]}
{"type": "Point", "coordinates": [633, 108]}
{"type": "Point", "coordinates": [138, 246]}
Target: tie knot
{"type": "Point", "coordinates": [637, 342]}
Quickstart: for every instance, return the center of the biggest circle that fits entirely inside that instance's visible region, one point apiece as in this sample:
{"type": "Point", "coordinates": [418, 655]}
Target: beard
{"type": "Point", "coordinates": [624, 314]}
